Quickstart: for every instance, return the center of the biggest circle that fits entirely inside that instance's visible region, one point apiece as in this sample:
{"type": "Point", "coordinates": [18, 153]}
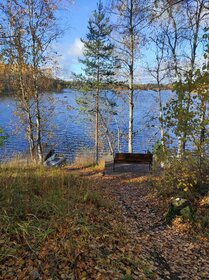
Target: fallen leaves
{"type": "Point", "coordinates": [114, 232]}
{"type": "Point", "coordinates": [171, 252]}
{"type": "Point", "coordinates": [87, 242]}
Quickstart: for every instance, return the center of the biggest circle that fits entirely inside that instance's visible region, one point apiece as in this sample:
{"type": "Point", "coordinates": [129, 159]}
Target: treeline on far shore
{"type": "Point", "coordinates": [51, 85]}
{"type": "Point", "coordinates": [9, 75]}
{"type": "Point", "coordinates": [119, 86]}
{"type": "Point", "coordinates": [48, 83]}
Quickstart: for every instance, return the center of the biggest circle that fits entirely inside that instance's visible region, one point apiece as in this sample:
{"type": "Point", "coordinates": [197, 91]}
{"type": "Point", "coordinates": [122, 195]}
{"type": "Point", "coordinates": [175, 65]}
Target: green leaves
{"type": "Point", "coordinates": [3, 137]}
{"type": "Point", "coordinates": [98, 60]}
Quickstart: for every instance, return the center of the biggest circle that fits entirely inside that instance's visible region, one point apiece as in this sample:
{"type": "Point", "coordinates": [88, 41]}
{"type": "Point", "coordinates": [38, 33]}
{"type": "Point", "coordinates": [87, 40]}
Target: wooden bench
{"type": "Point", "coordinates": [133, 158]}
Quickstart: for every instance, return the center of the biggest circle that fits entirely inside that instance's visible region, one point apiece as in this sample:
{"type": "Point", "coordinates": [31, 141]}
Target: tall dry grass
{"type": "Point", "coordinates": [33, 197]}
{"type": "Point", "coordinates": [86, 159]}
{"type": "Point", "coordinates": [54, 225]}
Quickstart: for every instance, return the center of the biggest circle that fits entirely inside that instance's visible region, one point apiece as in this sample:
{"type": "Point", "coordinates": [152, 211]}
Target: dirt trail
{"type": "Point", "coordinates": [171, 252]}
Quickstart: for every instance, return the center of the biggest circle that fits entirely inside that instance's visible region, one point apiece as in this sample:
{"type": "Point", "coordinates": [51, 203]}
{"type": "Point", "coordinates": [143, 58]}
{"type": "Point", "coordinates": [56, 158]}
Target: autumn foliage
{"type": "Point", "coordinates": [54, 225]}
{"type": "Point", "coordinates": [188, 179]}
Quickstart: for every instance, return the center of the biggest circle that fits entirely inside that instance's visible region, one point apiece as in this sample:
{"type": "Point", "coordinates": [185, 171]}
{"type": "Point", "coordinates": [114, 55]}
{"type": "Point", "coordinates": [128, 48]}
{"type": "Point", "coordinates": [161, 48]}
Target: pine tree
{"type": "Point", "coordinates": [98, 62]}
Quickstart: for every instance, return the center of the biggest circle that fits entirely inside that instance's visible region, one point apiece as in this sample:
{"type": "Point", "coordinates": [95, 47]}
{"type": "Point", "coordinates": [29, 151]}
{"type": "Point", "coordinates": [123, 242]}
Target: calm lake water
{"type": "Point", "coordinates": [72, 131]}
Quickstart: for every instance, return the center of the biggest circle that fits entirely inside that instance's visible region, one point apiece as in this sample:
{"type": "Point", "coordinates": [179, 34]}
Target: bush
{"type": "Point", "coordinates": [185, 180]}
{"type": "Point", "coordinates": [184, 177]}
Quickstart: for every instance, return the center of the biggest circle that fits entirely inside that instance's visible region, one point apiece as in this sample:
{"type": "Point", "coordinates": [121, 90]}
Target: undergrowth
{"type": "Point", "coordinates": [188, 179]}
{"type": "Point", "coordinates": [55, 225]}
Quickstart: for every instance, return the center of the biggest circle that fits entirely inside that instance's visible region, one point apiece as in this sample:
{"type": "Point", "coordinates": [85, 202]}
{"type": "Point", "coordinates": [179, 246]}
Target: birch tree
{"type": "Point", "coordinates": [197, 17]}
{"type": "Point", "coordinates": [130, 16]}
{"type": "Point", "coordinates": [30, 29]}
{"type": "Point", "coordinates": [159, 73]}
{"type": "Point", "coordinates": [184, 23]}
{"type": "Point", "coordinates": [200, 87]}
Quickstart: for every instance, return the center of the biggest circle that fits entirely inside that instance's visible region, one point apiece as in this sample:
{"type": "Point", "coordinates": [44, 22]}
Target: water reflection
{"type": "Point", "coordinates": [72, 132]}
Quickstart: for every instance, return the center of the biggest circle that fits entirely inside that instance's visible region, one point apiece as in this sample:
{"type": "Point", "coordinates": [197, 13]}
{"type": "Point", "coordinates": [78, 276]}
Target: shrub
{"type": "Point", "coordinates": [183, 177]}
{"type": "Point", "coordinates": [186, 180]}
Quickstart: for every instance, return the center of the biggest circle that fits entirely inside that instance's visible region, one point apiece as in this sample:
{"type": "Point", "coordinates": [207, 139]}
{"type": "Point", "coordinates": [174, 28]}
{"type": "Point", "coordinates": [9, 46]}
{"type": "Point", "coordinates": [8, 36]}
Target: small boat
{"type": "Point", "coordinates": [54, 160]}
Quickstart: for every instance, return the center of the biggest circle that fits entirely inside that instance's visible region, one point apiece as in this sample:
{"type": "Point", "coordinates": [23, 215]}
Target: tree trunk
{"type": "Point", "coordinates": [203, 128]}
{"type": "Point", "coordinates": [161, 116]}
{"type": "Point", "coordinates": [173, 48]}
{"type": "Point", "coordinates": [130, 130]}
{"type": "Point", "coordinates": [25, 103]}
{"type": "Point", "coordinates": [107, 135]}
{"type": "Point", "coordinates": [97, 128]}
{"type": "Point", "coordinates": [118, 140]}
{"type": "Point", "coordinates": [36, 92]}
{"type": "Point", "coordinates": [37, 113]}
{"type": "Point", "coordinates": [131, 83]}
{"type": "Point", "coordinates": [30, 136]}
{"type": "Point", "coordinates": [38, 130]}
{"type": "Point", "coordinates": [180, 147]}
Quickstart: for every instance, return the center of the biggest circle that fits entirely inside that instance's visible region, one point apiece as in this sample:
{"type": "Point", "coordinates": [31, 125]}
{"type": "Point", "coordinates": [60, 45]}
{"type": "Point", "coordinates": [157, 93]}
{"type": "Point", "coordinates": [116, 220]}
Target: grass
{"type": "Point", "coordinates": [86, 159]}
{"type": "Point", "coordinates": [31, 195]}
{"type": "Point", "coordinates": [58, 226]}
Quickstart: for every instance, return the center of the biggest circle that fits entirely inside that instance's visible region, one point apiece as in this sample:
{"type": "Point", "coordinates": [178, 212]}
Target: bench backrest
{"type": "Point", "coordinates": [134, 158]}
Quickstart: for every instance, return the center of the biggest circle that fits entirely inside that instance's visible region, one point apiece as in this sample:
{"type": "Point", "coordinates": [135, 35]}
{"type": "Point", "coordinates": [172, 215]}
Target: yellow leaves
{"type": "Point", "coordinates": [22, 31]}
{"type": "Point", "coordinates": [205, 201]}
{"type": "Point", "coordinates": [128, 271]}
{"type": "Point", "coordinates": [179, 185]}
{"type": "Point", "coordinates": [83, 276]}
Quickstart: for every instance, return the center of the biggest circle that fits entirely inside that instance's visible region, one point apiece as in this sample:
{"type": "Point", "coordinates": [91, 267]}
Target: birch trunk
{"type": "Point", "coordinates": [203, 128]}
{"type": "Point", "coordinates": [130, 130]}
{"type": "Point", "coordinates": [25, 102]}
{"type": "Point", "coordinates": [97, 128]}
{"type": "Point", "coordinates": [35, 61]}
{"type": "Point", "coordinates": [38, 130]}
{"type": "Point", "coordinates": [131, 82]}
{"type": "Point", "coordinates": [161, 116]}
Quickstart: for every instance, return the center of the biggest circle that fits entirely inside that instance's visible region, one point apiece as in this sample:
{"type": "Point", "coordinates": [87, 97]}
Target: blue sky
{"type": "Point", "coordinates": [75, 20]}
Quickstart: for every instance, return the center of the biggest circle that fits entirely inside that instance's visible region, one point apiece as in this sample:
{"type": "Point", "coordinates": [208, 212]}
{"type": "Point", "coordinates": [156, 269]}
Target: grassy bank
{"type": "Point", "coordinates": [54, 225]}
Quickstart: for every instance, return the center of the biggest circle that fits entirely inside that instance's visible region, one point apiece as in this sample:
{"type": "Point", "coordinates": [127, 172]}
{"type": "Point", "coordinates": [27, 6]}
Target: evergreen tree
{"type": "Point", "coordinates": [98, 64]}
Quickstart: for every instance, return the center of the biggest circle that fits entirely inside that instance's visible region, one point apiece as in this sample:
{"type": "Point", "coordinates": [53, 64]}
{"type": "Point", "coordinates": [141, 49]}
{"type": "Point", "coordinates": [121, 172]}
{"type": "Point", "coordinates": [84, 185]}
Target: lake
{"type": "Point", "coordinates": [72, 131]}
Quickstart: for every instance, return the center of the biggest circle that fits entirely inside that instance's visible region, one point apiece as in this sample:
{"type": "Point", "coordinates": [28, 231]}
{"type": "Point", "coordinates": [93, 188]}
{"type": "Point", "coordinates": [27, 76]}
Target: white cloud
{"type": "Point", "coordinates": [76, 48]}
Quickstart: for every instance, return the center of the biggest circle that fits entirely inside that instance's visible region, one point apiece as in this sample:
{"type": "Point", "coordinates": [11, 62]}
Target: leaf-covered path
{"type": "Point", "coordinates": [170, 251]}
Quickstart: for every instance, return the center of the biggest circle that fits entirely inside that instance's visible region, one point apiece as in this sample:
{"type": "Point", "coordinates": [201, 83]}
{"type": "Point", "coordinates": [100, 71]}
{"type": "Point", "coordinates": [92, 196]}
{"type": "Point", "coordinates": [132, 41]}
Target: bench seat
{"type": "Point", "coordinates": [134, 158]}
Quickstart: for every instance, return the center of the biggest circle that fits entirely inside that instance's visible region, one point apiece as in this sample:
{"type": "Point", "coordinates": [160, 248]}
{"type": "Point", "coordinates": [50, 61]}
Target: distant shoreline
{"type": "Point", "coordinates": [77, 86]}
{"type": "Point", "coordinates": [74, 86]}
